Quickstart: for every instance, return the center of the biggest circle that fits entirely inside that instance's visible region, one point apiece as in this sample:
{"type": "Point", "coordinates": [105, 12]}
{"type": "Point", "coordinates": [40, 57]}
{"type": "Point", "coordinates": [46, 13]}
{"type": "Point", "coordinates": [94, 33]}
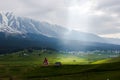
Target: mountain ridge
{"type": "Point", "coordinates": [21, 25]}
{"type": "Point", "coordinates": [31, 33]}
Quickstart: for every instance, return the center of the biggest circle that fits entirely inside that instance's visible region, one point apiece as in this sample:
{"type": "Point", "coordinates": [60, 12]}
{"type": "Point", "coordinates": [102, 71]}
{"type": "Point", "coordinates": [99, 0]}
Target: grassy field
{"type": "Point", "coordinates": [24, 65]}
{"type": "Point", "coordinates": [37, 57]}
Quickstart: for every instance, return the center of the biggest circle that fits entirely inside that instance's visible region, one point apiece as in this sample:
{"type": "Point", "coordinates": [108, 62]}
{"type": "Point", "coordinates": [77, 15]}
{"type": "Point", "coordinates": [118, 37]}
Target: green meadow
{"type": "Point", "coordinates": [25, 65]}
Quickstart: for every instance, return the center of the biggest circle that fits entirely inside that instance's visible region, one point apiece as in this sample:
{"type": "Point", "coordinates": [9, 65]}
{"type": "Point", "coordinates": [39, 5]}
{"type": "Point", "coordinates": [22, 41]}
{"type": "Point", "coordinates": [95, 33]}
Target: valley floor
{"type": "Point", "coordinates": [21, 66]}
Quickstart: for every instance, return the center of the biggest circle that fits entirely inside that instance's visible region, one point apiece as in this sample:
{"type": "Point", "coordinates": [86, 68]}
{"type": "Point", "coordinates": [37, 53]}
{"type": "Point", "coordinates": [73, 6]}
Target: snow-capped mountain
{"type": "Point", "coordinates": [21, 32]}
{"type": "Point", "coordinates": [4, 27]}
{"type": "Point", "coordinates": [10, 23]}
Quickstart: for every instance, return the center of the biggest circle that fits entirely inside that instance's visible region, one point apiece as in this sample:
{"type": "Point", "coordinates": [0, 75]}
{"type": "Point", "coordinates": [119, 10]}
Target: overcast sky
{"type": "Point", "coordinates": [100, 17]}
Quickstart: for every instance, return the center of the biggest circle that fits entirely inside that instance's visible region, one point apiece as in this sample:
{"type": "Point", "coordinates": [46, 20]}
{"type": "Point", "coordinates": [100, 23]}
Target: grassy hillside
{"type": "Point", "coordinates": [108, 60]}
{"type": "Point", "coordinates": [37, 57]}
{"type": "Point", "coordinates": [28, 65]}
{"type": "Point", "coordinates": [65, 72]}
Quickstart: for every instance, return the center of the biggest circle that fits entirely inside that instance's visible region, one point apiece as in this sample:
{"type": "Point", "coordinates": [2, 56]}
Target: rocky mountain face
{"type": "Point", "coordinates": [20, 32]}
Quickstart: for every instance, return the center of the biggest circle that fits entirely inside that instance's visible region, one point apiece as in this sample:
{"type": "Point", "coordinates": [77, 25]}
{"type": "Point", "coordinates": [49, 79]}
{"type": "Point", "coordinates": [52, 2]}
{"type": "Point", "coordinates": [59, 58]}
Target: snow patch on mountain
{"type": "Point", "coordinates": [12, 24]}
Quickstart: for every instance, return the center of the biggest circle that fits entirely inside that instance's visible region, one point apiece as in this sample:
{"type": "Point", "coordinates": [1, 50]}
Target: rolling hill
{"type": "Point", "coordinates": [108, 60]}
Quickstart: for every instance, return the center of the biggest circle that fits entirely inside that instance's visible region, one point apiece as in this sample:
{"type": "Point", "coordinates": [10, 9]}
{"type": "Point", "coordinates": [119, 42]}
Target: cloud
{"type": "Point", "coordinates": [95, 16]}
{"type": "Point", "coordinates": [108, 20]}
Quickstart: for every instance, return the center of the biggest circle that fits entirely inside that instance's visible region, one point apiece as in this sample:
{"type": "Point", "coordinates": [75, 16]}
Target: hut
{"type": "Point", "coordinates": [58, 64]}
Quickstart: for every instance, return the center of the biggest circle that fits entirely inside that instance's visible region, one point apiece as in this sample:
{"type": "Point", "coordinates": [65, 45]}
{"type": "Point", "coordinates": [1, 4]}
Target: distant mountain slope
{"type": "Point", "coordinates": [10, 23]}
{"type": "Point", "coordinates": [20, 32]}
{"type": "Point", "coordinates": [113, 40]}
